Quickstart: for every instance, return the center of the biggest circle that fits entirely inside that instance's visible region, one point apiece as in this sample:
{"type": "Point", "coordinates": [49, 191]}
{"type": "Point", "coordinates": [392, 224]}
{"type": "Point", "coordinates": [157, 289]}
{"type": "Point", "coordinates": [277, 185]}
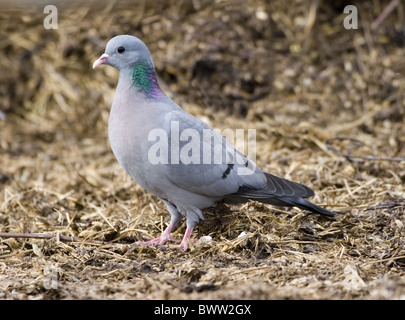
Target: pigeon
{"type": "Point", "coordinates": [176, 156]}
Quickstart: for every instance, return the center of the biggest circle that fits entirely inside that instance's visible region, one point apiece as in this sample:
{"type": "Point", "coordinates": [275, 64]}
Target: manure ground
{"type": "Point", "coordinates": [327, 105]}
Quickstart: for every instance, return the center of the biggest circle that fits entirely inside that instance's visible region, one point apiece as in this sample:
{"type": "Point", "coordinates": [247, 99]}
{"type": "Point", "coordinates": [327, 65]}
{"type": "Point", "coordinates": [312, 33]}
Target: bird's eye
{"type": "Point", "coordinates": [120, 49]}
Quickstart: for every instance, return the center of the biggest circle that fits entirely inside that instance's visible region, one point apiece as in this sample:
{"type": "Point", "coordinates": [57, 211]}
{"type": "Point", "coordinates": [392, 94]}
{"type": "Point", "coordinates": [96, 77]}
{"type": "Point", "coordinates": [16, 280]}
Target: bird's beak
{"type": "Point", "coordinates": [104, 57]}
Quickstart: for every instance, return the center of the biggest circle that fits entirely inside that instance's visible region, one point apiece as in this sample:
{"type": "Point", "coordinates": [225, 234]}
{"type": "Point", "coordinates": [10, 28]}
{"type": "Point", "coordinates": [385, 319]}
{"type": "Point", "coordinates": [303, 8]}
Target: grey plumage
{"type": "Point", "coordinates": [142, 116]}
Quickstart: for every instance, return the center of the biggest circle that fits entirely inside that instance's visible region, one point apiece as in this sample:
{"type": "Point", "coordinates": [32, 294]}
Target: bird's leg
{"type": "Point", "coordinates": [164, 237]}
{"type": "Point", "coordinates": [184, 242]}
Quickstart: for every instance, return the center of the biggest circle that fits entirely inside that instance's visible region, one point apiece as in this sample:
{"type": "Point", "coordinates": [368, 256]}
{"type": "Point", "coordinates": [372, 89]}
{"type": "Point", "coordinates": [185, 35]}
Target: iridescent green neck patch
{"type": "Point", "coordinates": [144, 80]}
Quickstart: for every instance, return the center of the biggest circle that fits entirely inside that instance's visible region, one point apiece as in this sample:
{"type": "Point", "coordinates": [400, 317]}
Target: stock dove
{"type": "Point", "coordinates": [176, 156]}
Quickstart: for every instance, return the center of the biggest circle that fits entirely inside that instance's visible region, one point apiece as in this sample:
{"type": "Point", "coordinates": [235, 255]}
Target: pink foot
{"type": "Point", "coordinates": [164, 237]}
{"type": "Point", "coordinates": [158, 241]}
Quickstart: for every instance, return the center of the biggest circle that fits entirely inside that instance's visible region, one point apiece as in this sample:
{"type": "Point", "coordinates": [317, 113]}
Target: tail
{"type": "Point", "coordinates": [280, 192]}
{"type": "Point", "coordinates": [294, 201]}
{"type": "Point", "coordinates": [306, 205]}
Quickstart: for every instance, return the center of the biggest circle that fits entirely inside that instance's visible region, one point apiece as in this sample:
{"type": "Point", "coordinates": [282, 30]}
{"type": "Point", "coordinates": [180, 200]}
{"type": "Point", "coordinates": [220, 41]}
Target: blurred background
{"type": "Point", "coordinates": [222, 56]}
{"type": "Point", "coordinates": [327, 103]}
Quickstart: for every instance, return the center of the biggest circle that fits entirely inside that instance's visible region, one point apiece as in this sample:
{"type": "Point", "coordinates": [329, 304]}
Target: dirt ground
{"type": "Point", "coordinates": [327, 104]}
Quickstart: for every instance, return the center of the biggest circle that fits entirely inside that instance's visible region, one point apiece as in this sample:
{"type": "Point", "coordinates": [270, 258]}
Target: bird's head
{"type": "Point", "coordinates": [123, 51]}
